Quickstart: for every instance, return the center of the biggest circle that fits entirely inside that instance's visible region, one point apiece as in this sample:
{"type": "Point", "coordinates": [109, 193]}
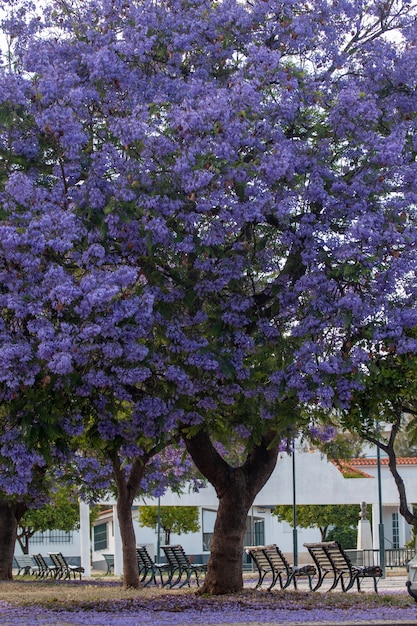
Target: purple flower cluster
{"type": "Point", "coordinates": [241, 609]}
{"type": "Point", "coordinates": [203, 206]}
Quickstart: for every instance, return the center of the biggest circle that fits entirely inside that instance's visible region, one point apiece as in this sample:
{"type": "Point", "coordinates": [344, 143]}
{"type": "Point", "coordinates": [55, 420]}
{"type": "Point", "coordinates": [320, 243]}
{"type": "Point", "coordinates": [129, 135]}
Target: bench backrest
{"type": "Point", "coordinates": [277, 560]}
{"type": "Point", "coordinates": [24, 560]}
{"type": "Point", "coordinates": [176, 556]}
{"type": "Point", "coordinates": [40, 561]}
{"type": "Point", "coordinates": [339, 557]}
{"type": "Point", "coordinates": [144, 558]}
{"type": "Point", "coordinates": [329, 555]}
{"type": "Point", "coordinates": [59, 560]}
{"type": "Point", "coordinates": [109, 558]}
{"type": "Point", "coordinates": [258, 555]}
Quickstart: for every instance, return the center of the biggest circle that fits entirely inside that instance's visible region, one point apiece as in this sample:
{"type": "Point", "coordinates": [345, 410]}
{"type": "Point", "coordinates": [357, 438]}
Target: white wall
{"type": "Point", "coordinates": [317, 481]}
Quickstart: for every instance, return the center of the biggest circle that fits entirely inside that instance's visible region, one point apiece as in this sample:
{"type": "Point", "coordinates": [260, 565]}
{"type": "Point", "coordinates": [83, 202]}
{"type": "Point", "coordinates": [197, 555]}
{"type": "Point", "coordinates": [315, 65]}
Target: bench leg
{"type": "Point", "coordinates": [261, 576]}
{"type": "Point", "coordinates": [319, 582]}
{"type": "Point", "coordinates": [350, 582]}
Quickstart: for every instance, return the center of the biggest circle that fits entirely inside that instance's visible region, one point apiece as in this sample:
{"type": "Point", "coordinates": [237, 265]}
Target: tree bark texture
{"type": "Point", "coordinates": [10, 515]}
{"type": "Point", "coordinates": [405, 511]}
{"type": "Point", "coordinates": [389, 449]}
{"type": "Point", "coordinates": [127, 533]}
{"type": "Point", "coordinates": [236, 488]}
{"type": "Point", "coordinates": [126, 492]}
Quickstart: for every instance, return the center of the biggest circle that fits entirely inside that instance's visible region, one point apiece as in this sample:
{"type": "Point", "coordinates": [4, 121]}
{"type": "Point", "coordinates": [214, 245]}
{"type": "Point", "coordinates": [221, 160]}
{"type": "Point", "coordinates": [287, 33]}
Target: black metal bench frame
{"type": "Point", "coordinates": [26, 565]}
{"type": "Point", "coordinates": [44, 569]}
{"type": "Point", "coordinates": [180, 566]}
{"type": "Point", "coordinates": [148, 569]}
{"type": "Point", "coordinates": [333, 562]}
{"type": "Point", "coordinates": [64, 569]}
{"type": "Point", "coordinates": [269, 560]}
{"type": "Point", "coordinates": [109, 558]}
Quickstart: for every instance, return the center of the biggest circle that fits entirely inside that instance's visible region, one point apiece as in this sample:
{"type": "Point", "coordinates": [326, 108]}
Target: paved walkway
{"type": "Point", "coordinates": [391, 583]}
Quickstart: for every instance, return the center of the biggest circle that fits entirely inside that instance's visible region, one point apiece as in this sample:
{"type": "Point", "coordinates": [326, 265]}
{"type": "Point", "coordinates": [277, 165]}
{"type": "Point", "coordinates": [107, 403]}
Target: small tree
{"type": "Point", "coordinates": [174, 519]}
{"type": "Point", "coordinates": [61, 513]}
{"type": "Point", "coordinates": [321, 516]}
{"type": "Point", "coordinates": [346, 536]}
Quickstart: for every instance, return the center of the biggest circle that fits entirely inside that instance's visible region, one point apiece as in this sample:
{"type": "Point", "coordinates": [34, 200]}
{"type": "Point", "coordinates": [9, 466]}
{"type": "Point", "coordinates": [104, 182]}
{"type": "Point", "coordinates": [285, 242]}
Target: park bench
{"type": "Point", "coordinates": [64, 569]}
{"type": "Point", "coordinates": [180, 566]}
{"type": "Point", "coordinates": [44, 569]}
{"type": "Point", "coordinates": [26, 564]}
{"type": "Point", "coordinates": [148, 569]}
{"type": "Point", "coordinates": [269, 560]}
{"type": "Point", "coordinates": [332, 561]}
{"type": "Point", "coordinates": [109, 558]}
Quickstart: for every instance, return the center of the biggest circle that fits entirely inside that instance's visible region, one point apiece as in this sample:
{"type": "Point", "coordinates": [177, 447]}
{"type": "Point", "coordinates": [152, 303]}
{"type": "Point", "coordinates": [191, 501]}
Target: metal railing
{"type": "Point", "coordinates": [394, 557]}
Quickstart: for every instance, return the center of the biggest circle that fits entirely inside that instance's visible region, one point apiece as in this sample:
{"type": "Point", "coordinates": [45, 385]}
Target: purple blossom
{"type": "Point", "coordinates": [205, 204]}
{"type": "Point", "coordinates": [19, 464]}
{"type": "Point", "coordinates": [322, 433]}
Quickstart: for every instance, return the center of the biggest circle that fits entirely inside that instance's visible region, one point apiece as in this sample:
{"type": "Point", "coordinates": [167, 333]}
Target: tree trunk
{"type": "Point", "coordinates": [224, 574]}
{"type": "Point", "coordinates": [23, 541]}
{"type": "Point", "coordinates": [127, 533]}
{"type": "Point", "coordinates": [236, 489]}
{"type": "Point", "coordinates": [127, 489]}
{"type": "Point", "coordinates": [389, 449]}
{"type": "Point", "coordinates": [405, 511]}
{"type": "Point", "coordinates": [10, 515]}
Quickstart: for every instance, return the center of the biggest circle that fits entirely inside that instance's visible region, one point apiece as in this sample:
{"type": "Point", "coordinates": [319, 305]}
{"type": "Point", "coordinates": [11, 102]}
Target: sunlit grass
{"type": "Point", "coordinates": [107, 594]}
{"type": "Point", "coordinates": [24, 592]}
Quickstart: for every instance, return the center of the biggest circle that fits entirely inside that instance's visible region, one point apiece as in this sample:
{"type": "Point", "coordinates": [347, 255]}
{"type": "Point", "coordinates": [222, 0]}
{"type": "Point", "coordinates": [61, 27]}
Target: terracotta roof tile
{"type": "Point", "coordinates": [348, 471]}
{"type": "Point", "coordinates": [384, 461]}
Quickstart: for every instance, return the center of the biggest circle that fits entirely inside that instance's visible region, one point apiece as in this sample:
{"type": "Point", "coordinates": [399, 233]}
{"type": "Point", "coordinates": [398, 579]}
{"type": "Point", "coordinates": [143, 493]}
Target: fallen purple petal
{"type": "Point", "coordinates": [184, 608]}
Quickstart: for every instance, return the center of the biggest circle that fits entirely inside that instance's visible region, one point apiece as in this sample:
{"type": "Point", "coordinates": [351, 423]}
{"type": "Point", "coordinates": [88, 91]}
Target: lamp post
{"type": "Point", "coordinates": [294, 508]}
{"type": "Point", "coordinates": [158, 527]}
{"type": "Point", "coordinates": [381, 523]}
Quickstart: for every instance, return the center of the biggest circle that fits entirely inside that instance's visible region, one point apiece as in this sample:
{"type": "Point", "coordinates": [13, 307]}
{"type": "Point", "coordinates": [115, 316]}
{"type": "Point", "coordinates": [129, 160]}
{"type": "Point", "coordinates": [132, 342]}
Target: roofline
{"type": "Point", "coordinates": [411, 460]}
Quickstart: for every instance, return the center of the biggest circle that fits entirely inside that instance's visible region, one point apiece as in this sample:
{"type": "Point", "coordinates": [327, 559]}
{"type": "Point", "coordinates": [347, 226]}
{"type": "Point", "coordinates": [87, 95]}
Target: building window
{"type": "Point", "coordinates": [255, 531]}
{"type": "Point", "coordinates": [208, 520]}
{"type": "Point", "coordinates": [59, 536]}
{"type": "Point", "coordinates": [100, 537]}
{"type": "Point", "coordinates": [395, 531]}
{"type": "Point", "coordinates": [52, 536]}
{"type": "Point", "coordinates": [259, 532]}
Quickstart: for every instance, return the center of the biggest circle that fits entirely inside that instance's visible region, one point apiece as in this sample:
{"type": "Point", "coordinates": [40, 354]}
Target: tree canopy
{"type": "Point", "coordinates": [207, 223]}
{"type": "Point", "coordinates": [62, 513]}
{"type": "Point", "coordinates": [173, 519]}
{"type": "Point", "coordinates": [320, 516]}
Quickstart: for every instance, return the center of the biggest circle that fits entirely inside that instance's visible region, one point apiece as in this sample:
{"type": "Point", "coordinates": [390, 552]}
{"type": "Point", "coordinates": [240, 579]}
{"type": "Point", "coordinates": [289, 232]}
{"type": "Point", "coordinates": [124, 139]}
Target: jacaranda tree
{"type": "Point", "coordinates": [211, 216]}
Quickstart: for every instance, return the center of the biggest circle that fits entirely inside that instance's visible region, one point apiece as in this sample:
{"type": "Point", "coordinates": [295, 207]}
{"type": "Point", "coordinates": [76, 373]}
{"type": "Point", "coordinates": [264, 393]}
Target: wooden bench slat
{"type": "Point", "coordinates": [109, 558]}
{"type": "Point", "coordinates": [181, 565]}
{"type": "Point", "coordinates": [64, 569]}
{"type": "Point", "coordinates": [270, 560]}
{"type": "Point", "coordinates": [332, 561]}
{"type": "Point", "coordinates": [26, 564]}
{"type": "Point", "coordinates": [148, 569]}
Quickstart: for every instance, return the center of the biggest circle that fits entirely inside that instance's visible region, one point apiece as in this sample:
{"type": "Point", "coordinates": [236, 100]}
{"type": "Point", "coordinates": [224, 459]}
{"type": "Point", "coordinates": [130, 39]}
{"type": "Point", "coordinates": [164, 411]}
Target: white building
{"type": "Point", "coordinates": [309, 478]}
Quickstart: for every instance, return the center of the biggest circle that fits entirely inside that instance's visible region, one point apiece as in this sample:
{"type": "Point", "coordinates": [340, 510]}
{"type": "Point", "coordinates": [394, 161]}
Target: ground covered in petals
{"type": "Point", "coordinates": [104, 602]}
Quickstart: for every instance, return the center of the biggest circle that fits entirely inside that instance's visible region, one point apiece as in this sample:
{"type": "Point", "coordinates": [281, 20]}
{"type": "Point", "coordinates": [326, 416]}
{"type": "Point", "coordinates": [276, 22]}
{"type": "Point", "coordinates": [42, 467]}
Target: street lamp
{"type": "Point", "coordinates": [294, 508]}
{"type": "Point", "coordinates": [158, 526]}
{"type": "Point", "coordinates": [381, 523]}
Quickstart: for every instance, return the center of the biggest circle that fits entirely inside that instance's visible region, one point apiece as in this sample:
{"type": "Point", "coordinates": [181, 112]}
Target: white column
{"type": "Point", "coordinates": [85, 543]}
{"type": "Point", "coordinates": [118, 550]}
{"type": "Point", "coordinates": [402, 527]}
{"type": "Point", "coordinates": [375, 525]}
